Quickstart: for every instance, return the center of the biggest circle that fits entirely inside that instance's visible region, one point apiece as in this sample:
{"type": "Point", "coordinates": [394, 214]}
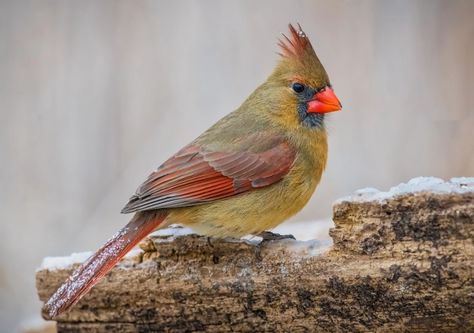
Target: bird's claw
{"type": "Point", "coordinates": [268, 236]}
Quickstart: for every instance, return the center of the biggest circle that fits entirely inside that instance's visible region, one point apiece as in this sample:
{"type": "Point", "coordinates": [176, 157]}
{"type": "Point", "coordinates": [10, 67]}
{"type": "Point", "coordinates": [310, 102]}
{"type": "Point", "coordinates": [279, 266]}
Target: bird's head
{"type": "Point", "coordinates": [301, 82]}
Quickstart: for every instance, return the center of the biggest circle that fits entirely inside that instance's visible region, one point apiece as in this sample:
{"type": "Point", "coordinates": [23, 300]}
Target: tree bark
{"type": "Point", "coordinates": [404, 263]}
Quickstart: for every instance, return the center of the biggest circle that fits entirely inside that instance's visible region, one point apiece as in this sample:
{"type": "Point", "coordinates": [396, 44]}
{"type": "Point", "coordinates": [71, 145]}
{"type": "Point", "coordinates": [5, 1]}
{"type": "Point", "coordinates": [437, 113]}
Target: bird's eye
{"type": "Point", "coordinates": [297, 87]}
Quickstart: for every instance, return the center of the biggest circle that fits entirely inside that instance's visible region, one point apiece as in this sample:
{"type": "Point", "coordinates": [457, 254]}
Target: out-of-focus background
{"type": "Point", "coordinates": [95, 94]}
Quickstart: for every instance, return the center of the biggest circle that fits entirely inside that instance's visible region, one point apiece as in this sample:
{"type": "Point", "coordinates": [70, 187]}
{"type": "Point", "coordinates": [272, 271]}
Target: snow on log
{"type": "Point", "coordinates": [402, 260]}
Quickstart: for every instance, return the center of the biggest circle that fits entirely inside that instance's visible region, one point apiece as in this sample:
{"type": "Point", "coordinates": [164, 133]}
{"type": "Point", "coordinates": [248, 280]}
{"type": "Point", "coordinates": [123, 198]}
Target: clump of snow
{"type": "Point", "coordinates": [302, 249]}
{"type": "Point", "coordinates": [56, 263]}
{"type": "Point", "coordinates": [59, 263]}
{"type": "Point", "coordinates": [173, 231]}
{"type": "Point", "coordinates": [415, 185]}
{"type": "Point", "coordinates": [306, 230]}
{"type": "Point", "coordinates": [463, 181]}
{"type": "Point", "coordinates": [309, 248]}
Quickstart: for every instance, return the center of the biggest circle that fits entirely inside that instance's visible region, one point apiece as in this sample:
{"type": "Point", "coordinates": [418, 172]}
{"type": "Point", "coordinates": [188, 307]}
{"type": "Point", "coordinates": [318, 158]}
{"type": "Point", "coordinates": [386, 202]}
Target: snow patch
{"type": "Point", "coordinates": [306, 230]}
{"type": "Point", "coordinates": [59, 263]}
{"type": "Point", "coordinates": [463, 181]}
{"type": "Point", "coordinates": [172, 232]}
{"type": "Point", "coordinates": [309, 248]}
{"type": "Point", "coordinates": [415, 185]}
{"type": "Point", "coordinates": [302, 249]}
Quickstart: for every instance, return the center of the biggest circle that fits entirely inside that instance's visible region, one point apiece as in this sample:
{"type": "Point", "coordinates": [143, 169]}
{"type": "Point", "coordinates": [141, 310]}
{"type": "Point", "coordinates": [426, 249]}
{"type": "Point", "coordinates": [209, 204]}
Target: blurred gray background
{"type": "Point", "coordinates": [96, 94]}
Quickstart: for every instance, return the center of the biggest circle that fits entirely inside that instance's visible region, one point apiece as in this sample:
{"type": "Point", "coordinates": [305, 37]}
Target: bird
{"type": "Point", "coordinates": [247, 173]}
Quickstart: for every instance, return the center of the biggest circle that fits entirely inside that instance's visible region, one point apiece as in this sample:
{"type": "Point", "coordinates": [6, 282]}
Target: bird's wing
{"type": "Point", "coordinates": [197, 175]}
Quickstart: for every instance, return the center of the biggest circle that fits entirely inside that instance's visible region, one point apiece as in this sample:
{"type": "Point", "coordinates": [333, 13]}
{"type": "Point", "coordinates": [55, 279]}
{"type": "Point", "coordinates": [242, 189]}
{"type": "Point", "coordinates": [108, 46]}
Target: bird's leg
{"type": "Point", "coordinates": [268, 236]}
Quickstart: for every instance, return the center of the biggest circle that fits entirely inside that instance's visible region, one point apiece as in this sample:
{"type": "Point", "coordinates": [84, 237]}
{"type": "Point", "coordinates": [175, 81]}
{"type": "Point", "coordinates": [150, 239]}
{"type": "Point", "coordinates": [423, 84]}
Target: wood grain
{"type": "Point", "coordinates": [405, 264]}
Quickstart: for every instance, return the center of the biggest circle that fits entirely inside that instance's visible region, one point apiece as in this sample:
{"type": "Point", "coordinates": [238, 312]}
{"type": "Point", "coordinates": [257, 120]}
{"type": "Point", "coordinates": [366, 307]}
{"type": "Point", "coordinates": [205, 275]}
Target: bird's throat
{"type": "Point", "coordinates": [312, 120]}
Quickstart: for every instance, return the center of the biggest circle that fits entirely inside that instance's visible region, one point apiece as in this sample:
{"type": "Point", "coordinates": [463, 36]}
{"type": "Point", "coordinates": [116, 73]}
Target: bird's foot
{"type": "Point", "coordinates": [268, 236]}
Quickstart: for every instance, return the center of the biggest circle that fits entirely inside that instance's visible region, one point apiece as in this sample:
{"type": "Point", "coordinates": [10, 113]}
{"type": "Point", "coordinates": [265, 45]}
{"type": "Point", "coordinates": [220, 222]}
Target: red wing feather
{"type": "Point", "coordinates": [195, 176]}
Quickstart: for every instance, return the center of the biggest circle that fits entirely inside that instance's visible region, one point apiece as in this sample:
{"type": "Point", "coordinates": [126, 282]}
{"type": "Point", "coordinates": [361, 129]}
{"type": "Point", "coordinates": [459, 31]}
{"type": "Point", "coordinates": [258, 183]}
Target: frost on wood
{"type": "Point", "coordinates": [67, 262]}
{"type": "Point", "coordinates": [55, 263]}
{"type": "Point", "coordinates": [415, 185]}
{"type": "Point", "coordinates": [401, 261]}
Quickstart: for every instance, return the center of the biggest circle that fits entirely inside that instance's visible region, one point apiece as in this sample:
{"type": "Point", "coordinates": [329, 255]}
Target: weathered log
{"type": "Point", "coordinates": [401, 261]}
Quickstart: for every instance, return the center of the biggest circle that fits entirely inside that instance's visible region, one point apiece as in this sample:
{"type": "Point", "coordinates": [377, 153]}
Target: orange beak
{"type": "Point", "coordinates": [324, 101]}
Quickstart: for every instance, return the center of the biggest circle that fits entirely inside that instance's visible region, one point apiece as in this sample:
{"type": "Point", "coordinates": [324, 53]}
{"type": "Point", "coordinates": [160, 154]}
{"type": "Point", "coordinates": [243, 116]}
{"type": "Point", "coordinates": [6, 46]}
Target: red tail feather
{"type": "Point", "coordinates": [101, 262]}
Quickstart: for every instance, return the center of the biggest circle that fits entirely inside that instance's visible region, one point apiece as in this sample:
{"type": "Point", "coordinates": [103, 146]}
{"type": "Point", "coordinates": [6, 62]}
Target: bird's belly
{"type": "Point", "coordinates": [247, 213]}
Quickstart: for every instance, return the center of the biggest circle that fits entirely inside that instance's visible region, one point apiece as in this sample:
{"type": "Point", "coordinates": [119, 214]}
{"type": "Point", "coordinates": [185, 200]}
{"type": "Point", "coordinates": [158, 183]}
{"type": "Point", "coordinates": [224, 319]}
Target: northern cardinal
{"type": "Point", "coordinates": [246, 174]}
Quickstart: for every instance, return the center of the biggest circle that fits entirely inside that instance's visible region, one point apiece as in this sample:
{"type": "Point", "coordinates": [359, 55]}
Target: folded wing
{"type": "Point", "coordinates": [196, 175]}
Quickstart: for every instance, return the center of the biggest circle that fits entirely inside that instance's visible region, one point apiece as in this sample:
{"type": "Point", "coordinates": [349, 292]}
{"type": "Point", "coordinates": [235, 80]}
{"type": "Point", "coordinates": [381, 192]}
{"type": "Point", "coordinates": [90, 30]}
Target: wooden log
{"type": "Point", "coordinates": [401, 261]}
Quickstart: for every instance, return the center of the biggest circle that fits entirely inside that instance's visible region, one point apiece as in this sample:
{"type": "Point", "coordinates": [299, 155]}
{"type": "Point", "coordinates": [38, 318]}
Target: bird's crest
{"type": "Point", "coordinates": [297, 46]}
{"type": "Point", "coordinates": [299, 61]}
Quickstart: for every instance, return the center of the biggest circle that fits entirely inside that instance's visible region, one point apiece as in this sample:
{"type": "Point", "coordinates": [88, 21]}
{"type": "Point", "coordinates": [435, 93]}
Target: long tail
{"type": "Point", "coordinates": [101, 262]}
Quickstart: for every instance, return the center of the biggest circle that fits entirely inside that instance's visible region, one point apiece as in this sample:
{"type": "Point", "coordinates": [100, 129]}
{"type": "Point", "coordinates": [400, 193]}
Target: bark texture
{"type": "Point", "coordinates": [400, 264]}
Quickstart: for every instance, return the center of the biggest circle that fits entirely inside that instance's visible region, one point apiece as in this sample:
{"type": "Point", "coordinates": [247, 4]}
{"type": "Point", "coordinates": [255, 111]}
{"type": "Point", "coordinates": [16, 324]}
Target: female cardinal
{"type": "Point", "coordinates": [246, 174]}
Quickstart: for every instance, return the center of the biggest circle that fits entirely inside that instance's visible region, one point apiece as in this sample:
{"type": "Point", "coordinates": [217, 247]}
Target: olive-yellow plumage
{"type": "Point", "coordinates": [263, 209]}
{"type": "Point", "coordinates": [246, 174]}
